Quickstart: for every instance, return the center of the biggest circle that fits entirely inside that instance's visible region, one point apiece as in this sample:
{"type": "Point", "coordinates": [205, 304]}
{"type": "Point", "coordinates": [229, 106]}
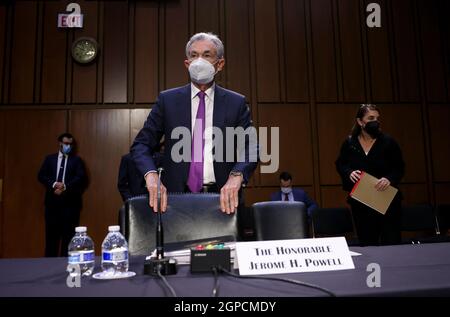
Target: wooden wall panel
{"type": "Point", "coordinates": [333, 196]}
{"type": "Point", "coordinates": [53, 78]}
{"type": "Point", "coordinates": [295, 51]}
{"type": "Point", "coordinates": [334, 125]}
{"type": "Point", "coordinates": [266, 48]}
{"type": "Point", "coordinates": [24, 227]}
{"type": "Point", "coordinates": [440, 141]}
{"type": "Point", "coordinates": [102, 138]}
{"type": "Point", "coordinates": [406, 61]}
{"type": "Point", "coordinates": [433, 59]}
{"type": "Point", "coordinates": [84, 77]}
{"type": "Point", "coordinates": [207, 20]}
{"type": "Point", "coordinates": [237, 47]}
{"type": "Point", "coordinates": [410, 137]}
{"type": "Point", "coordinates": [444, 9]}
{"type": "Point", "coordinates": [23, 52]}
{"type": "Point", "coordinates": [379, 57]}
{"type": "Point", "coordinates": [115, 52]}
{"type": "Point", "coordinates": [145, 52]}
{"type": "Point", "coordinates": [2, 46]}
{"type": "Point", "coordinates": [295, 151]}
{"type": "Point", "coordinates": [414, 194]}
{"type": "Point", "coordinates": [2, 176]}
{"type": "Point", "coordinates": [254, 195]}
{"type": "Point", "coordinates": [442, 193]}
{"type": "Point", "coordinates": [137, 119]}
{"type": "Point", "coordinates": [324, 57]}
{"type": "Point", "coordinates": [178, 33]}
{"type": "Point", "coordinates": [351, 51]}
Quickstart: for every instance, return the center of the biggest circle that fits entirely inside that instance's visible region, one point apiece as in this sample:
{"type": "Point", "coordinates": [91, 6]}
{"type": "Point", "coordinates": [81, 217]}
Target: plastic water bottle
{"type": "Point", "coordinates": [114, 252]}
{"type": "Point", "coordinates": [81, 252]}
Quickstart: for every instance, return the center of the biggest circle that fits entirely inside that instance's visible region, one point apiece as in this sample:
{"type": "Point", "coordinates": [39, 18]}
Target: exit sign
{"type": "Point", "coordinates": [70, 20]}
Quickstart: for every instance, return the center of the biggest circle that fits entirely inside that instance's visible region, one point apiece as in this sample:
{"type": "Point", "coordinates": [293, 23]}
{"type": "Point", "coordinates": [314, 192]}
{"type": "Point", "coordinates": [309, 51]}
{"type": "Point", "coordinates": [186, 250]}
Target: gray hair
{"type": "Point", "coordinates": [209, 37]}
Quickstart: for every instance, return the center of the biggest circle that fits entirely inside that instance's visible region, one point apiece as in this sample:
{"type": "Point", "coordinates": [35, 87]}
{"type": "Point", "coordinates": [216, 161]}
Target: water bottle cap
{"type": "Point", "coordinates": [80, 229]}
{"type": "Point", "coordinates": [114, 228]}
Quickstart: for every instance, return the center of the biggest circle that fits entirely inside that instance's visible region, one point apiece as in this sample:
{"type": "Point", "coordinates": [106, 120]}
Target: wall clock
{"type": "Point", "coordinates": [84, 50]}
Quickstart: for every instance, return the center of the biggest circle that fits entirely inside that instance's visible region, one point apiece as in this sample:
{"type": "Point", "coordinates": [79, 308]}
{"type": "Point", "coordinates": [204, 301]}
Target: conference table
{"type": "Point", "coordinates": [405, 270]}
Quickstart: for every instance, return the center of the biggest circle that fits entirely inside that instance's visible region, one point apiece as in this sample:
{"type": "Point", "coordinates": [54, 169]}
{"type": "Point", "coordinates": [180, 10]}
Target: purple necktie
{"type": "Point", "coordinates": [195, 179]}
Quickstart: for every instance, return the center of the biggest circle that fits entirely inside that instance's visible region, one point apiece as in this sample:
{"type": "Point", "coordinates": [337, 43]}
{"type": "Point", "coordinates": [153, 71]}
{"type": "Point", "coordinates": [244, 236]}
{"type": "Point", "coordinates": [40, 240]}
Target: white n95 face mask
{"type": "Point", "coordinates": [201, 71]}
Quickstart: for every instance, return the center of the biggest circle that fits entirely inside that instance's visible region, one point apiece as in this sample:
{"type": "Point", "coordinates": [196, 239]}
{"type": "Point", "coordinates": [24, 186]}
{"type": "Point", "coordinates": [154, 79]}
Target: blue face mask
{"type": "Point", "coordinates": [286, 190]}
{"type": "Point", "coordinates": [66, 148]}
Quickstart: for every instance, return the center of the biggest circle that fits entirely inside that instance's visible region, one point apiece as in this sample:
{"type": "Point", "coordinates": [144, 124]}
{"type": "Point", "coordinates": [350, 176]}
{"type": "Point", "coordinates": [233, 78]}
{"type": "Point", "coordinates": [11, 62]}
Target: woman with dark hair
{"type": "Point", "coordinates": [370, 150]}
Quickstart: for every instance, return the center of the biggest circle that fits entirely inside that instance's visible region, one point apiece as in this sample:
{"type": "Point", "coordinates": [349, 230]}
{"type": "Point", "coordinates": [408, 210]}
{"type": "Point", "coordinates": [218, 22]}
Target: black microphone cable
{"type": "Point", "coordinates": [287, 280]}
{"type": "Point", "coordinates": [166, 283]}
{"type": "Point", "coordinates": [160, 238]}
{"type": "Point", "coordinates": [216, 281]}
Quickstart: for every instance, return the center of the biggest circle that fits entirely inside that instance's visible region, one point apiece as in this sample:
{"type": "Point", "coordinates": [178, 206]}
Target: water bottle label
{"type": "Point", "coordinates": [81, 257]}
{"type": "Point", "coordinates": [115, 256]}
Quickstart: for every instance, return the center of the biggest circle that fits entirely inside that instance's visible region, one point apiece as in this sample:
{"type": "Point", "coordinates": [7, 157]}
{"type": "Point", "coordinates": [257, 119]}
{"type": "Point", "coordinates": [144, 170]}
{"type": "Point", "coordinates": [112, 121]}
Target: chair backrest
{"type": "Point", "coordinates": [332, 221]}
{"type": "Point", "coordinates": [277, 220]}
{"type": "Point", "coordinates": [188, 217]}
{"type": "Point", "coordinates": [443, 214]}
{"type": "Point", "coordinates": [419, 218]}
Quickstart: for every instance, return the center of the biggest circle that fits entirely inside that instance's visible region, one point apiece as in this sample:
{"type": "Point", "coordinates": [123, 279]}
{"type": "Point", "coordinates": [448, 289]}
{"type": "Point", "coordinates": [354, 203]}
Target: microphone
{"type": "Point", "coordinates": [159, 265]}
{"type": "Point", "coordinates": [159, 227]}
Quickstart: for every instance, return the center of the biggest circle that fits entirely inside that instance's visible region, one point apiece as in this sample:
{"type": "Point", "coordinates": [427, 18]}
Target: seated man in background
{"type": "Point", "coordinates": [287, 193]}
{"type": "Point", "coordinates": [131, 182]}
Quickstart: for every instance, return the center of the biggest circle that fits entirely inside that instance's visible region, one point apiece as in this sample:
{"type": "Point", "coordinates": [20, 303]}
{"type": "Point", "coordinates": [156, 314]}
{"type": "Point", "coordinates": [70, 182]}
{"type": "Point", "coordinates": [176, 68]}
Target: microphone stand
{"type": "Point", "coordinates": [160, 265]}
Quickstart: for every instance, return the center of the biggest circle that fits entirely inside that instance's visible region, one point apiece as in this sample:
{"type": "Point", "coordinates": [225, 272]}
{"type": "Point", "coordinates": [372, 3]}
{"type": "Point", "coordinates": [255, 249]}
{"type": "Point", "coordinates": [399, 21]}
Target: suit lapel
{"type": "Point", "coordinates": [219, 112]}
{"type": "Point", "coordinates": [184, 107]}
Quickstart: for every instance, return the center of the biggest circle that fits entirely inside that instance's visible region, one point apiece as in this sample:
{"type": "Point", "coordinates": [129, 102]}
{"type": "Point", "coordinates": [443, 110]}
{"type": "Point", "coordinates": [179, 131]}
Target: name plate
{"type": "Point", "coordinates": [291, 256]}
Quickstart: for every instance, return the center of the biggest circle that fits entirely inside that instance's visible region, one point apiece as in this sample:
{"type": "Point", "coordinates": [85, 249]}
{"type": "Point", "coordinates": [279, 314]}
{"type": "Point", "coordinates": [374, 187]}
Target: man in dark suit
{"type": "Point", "coordinates": [131, 181]}
{"type": "Point", "coordinates": [287, 193]}
{"type": "Point", "coordinates": [202, 108]}
{"type": "Point", "coordinates": [64, 177]}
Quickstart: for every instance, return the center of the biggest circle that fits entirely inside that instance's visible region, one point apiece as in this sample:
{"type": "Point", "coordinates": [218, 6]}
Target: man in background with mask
{"type": "Point", "coordinates": [200, 107]}
{"type": "Point", "coordinates": [287, 193]}
{"type": "Point", "coordinates": [64, 178]}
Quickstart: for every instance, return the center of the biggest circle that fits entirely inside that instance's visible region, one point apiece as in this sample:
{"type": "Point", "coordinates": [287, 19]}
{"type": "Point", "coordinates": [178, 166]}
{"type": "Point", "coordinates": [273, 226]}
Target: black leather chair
{"type": "Point", "coordinates": [278, 220]}
{"type": "Point", "coordinates": [334, 222]}
{"type": "Point", "coordinates": [188, 217]}
{"type": "Point", "coordinates": [422, 221]}
{"type": "Point", "coordinates": [419, 218]}
{"type": "Point", "coordinates": [443, 214]}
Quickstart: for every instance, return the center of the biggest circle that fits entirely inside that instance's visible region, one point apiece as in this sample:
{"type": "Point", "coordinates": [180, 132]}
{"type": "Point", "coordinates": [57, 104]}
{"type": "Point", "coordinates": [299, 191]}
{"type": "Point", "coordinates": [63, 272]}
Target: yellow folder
{"type": "Point", "coordinates": [365, 192]}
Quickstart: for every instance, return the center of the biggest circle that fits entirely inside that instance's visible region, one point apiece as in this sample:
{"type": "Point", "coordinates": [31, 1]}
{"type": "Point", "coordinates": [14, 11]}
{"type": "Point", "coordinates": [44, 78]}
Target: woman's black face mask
{"type": "Point", "coordinates": [372, 128]}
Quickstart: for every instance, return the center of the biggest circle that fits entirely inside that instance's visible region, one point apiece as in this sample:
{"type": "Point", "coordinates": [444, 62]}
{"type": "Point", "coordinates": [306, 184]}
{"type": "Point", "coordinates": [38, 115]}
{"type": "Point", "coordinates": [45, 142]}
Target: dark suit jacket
{"type": "Point", "coordinates": [172, 110]}
{"type": "Point", "coordinates": [299, 195]}
{"type": "Point", "coordinates": [75, 180]}
{"type": "Point", "coordinates": [384, 160]}
{"type": "Point", "coordinates": [130, 182]}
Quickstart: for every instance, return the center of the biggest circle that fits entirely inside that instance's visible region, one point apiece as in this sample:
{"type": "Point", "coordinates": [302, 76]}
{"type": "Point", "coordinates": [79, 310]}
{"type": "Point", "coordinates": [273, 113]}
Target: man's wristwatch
{"type": "Point", "coordinates": [236, 173]}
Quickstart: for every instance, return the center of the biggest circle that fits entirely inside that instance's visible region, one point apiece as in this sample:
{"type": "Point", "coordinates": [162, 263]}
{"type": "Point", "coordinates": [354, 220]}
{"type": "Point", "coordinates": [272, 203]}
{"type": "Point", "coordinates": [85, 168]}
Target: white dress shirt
{"type": "Point", "coordinates": [290, 196]}
{"type": "Point", "coordinates": [208, 166]}
{"type": "Point", "coordinates": [60, 157]}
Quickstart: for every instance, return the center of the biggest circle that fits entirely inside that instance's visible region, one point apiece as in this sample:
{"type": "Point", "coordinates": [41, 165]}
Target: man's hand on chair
{"type": "Point", "coordinates": [151, 180]}
{"type": "Point", "coordinates": [229, 194]}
